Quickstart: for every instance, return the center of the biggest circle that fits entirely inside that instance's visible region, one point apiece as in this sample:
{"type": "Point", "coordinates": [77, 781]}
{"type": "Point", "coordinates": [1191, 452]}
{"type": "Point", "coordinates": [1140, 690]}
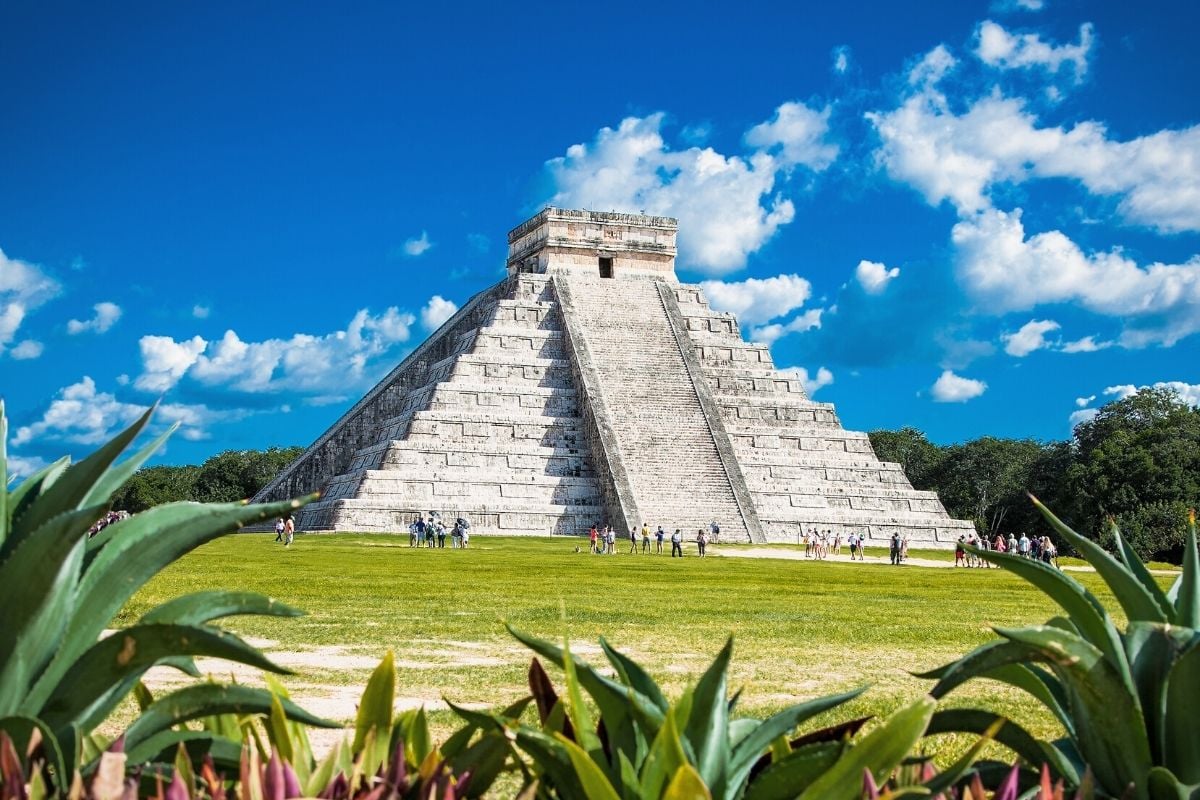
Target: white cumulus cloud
{"type": "Point", "coordinates": [812, 383]}
{"type": "Point", "coordinates": [769, 334]}
{"type": "Point", "coordinates": [1005, 270]}
{"type": "Point", "coordinates": [757, 300]}
{"type": "Point", "coordinates": [437, 311]}
{"type": "Point", "coordinates": [874, 277]}
{"type": "Point", "coordinates": [727, 206]}
{"type": "Point", "coordinates": [320, 366]}
{"type": "Point", "coordinates": [81, 414]}
{"type": "Point", "coordinates": [26, 350]}
{"type": "Point", "coordinates": [962, 157]}
{"type": "Point", "coordinates": [998, 48]}
{"type": "Point", "coordinates": [417, 245]}
{"type": "Point", "coordinates": [1029, 337]}
{"type": "Point", "coordinates": [23, 288]}
{"type": "Point", "coordinates": [105, 316]}
{"type": "Point", "coordinates": [1087, 344]}
{"type": "Point", "coordinates": [201, 312]}
{"type": "Point", "coordinates": [951, 388]}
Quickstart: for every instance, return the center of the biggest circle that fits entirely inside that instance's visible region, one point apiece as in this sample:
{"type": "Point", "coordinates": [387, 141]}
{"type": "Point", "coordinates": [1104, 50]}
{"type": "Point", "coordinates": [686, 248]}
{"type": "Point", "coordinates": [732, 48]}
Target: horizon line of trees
{"type": "Point", "coordinates": [1137, 462]}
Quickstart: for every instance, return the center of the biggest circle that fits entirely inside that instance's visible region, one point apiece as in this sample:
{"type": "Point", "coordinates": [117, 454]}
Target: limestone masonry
{"type": "Point", "coordinates": [590, 386]}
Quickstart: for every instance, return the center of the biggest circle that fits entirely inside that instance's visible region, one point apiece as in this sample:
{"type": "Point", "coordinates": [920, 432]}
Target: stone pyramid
{"type": "Point", "coordinates": [591, 387]}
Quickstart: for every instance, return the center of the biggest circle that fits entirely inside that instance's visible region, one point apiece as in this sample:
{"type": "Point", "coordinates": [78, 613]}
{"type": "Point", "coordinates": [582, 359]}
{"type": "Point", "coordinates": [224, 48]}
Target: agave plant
{"type": "Point", "coordinates": [643, 746]}
{"type": "Point", "coordinates": [61, 671]}
{"type": "Point", "coordinates": [1127, 699]}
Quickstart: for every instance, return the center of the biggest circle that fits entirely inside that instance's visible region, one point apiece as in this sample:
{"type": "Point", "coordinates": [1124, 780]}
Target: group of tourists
{"type": "Point", "coordinates": [432, 534]}
{"type": "Point", "coordinates": [285, 530]}
{"type": "Point", "coordinates": [1038, 548]}
{"type": "Point", "coordinates": [106, 520]}
{"type": "Point", "coordinates": [603, 541]}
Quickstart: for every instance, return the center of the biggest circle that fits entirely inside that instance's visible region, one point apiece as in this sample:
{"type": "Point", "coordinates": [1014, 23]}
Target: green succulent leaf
{"type": "Point", "coordinates": [20, 498]}
{"type": "Point", "coordinates": [375, 709]}
{"type": "Point", "coordinates": [752, 746]}
{"type": "Point", "coordinates": [206, 700]}
{"type": "Point", "coordinates": [1181, 745]}
{"type": "Point", "coordinates": [1087, 614]}
{"type": "Point", "coordinates": [614, 700]}
{"type": "Point", "coordinates": [37, 585]}
{"type": "Point", "coordinates": [1138, 569]}
{"type": "Point", "coordinates": [199, 608]}
{"type": "Point", "coordinates": [73, 487]}
{"type": "Point", "coordinates": [786, 778]}
{"type": "Point", "coordinates": [1010, 734]}
{"type": "Point", "coordinates": [665, 757]}
{"type": "Point", "coordinates": [591, 777]}
{"type": "Point", "coordinates": [686, 784]}
{"type": "Point", "coordinates": [707, 728]}
{"type": "Point", "coordinates": [1187, 596]}
{"type": "Point", "coordinates": [878, 752]}
{"type": "Point", "coordinates": [1138, 602]}
{"type": "Point", "coordinates": [632, 674]}
{"type": "Point", "coordinates": [132, 558]}
{"type": "Point", "coordinates": [1109, 727]}
{"type": "Point", "coordinates": [108, 671]}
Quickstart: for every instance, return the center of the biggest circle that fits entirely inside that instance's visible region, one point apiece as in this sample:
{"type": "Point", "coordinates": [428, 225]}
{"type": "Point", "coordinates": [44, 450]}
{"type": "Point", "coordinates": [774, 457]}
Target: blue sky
{"type": "Point", "coordinates": [971, 218]}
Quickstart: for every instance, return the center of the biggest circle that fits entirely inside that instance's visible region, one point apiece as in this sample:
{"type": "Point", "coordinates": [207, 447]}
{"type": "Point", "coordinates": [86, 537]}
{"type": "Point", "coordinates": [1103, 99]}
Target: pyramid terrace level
{"type": "Point", "coordinates": [590, 386]}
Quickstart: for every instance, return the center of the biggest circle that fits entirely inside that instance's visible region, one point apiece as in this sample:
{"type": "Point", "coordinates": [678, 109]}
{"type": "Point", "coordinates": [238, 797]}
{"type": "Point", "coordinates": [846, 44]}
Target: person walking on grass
{"type": "Point", "coordinates": [701, 542]}
{"type": "Point", "coordinates": [894, 551]}
{"type": "Point", "coordinates": [852, 541]}
{"type": "Point", "coordinates": [610, 540]}
{"type": "Point", "coordinates": [441, 536]}
{"type": "Point", "coordinates": [677, 543]}
{"type": "Point", "coordinates": [1023, 546]}
{"type": "Point", "coordinates": [645, 541]}
{"type": "Point", "coordinates": [289, 530]}
{"type": "Point", "coordinates": [592, 534]}
{"type": "Point", "coordinates": [659, 535]}
{"type": "Point", "coordinates": [633, 541]}
{"type": "Point", "coordinates": [279, 529]}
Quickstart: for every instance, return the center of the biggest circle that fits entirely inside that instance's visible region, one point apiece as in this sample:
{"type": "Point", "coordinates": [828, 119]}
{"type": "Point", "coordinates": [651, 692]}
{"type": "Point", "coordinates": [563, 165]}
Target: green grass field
{"type": "Point", "coordinates": [801, 628]}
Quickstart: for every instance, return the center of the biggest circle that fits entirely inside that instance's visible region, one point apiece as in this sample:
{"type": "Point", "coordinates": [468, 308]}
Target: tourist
{"type": "Point", "coordinates": [1000, 545]}
{"type": "Point", "coordinates": [421, 531]}
{"type": "Point", "coordinates": [983, 545]}
{"type": "Point", "coordinates": [714, 530]}
{"type": "Point", "coordinates": [677, 543]}
{"type": "Point", "coordinates": [645, 541]}
{"type": "Point", "coordinates": [837, 544]}
{"type": "Point", "coordinates": [592, 535]}
{"type": "Point", "coordinates": [610, 540]}
{"type": "Point", "coordinates": [633, 541]}
{"type": "Point", "coordinates": [659, 535]}
{"type": "Point", "coordinates": [279, 529]}
{"type": "Point", "coordinates": [904, 549]}
{"type": "Point", "coordinates": [852, 540]}
{"type": "Point", "coordinates": [1023, 545]}
{"type": "Point", "coordinates": [960, 552]}
{"type": "Point", "coordinates": [894, 552]}
{"type": "Point", "coordinates": [701, 541]}
{"type": "Point", "coordinates": [456, 538]}
{"type": "Point", "coordinates": [466, 537]}
{"type": "Point", "coordinates": [441, 536]}
{"type": "Point", "coordinates": [1049, 552]}
{"type": "Point", "coordinates": [1035, 548]}
{"type": "Point", "coordinates": [412, 534]}
{"type": "Point", "coordinates": [1011, 544]}
{"type": "Point", "coordinates": [289, 530]}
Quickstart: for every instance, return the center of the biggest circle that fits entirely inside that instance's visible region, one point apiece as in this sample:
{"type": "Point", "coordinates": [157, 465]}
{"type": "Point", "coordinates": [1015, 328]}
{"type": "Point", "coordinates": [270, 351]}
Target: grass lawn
{"type": "Point", "coordinates": [801, 628]}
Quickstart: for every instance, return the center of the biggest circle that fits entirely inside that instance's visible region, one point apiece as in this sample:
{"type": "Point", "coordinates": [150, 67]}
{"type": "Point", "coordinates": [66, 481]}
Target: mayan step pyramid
{"type": "Point", "coordinates": [589, 387]}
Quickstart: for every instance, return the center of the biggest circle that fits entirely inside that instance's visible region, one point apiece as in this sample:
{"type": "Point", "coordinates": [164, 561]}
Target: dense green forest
{"type": "Point", "coordinates": [1137, 461]}
{"type": "Point", "coordinates": [226, 477]}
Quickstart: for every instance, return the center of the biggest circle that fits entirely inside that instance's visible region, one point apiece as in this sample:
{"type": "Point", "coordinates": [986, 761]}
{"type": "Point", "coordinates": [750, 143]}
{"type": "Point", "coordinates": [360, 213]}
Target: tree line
{"type": "Point", "coordinates": [224, 478]}
{"type": "Point", "coordinates": [1137, 462]}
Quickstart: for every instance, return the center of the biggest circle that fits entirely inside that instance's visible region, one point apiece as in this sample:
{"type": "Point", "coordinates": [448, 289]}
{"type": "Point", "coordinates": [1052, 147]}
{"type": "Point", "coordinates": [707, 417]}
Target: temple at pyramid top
{"type": "Point", "coordinates": [590, 387]}
{"type": "Point", "coordinates": [597, 243]}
